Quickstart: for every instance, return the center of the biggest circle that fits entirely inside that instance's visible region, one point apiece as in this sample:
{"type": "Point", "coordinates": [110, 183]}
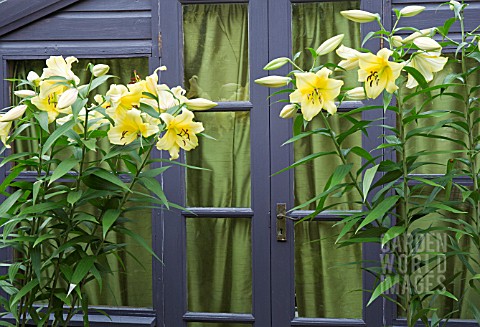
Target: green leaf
{"type": "Point", "coordinates": [417, 76]}
{"type": "Point", "coordinates": [427, 181]}
{"type": "Point", "coordinates": [379, 211]}
{"type": "Point", "coordinates": [392, 233]}
{"type": "Point", "coordinates": [387, 99]}
{"type": "Point", "coordinates": [304, 160]}
{"type": "Point", "coordinates": [74, 196]}
{"type": "Point", "coordinates": [154, 172]}
{"type": "Point", "coordinates": [298, 125]}
{"type": "Point", "coordinates": [27, 288]}
{"type": "Point", "coordinates": [35, 190]}
{"type": "Point", "coordinates": [149, 110]}
{"type": "Point", "coordinates": [154, 186]}
{"type": "Point", "coordinates": [442, 206]}
{"type": "Point", "coordinates": [42, 118]}
{"type": "Point", "coordinates": [82, 269]}
{"type": "Point", "coordinates": [99, 81]}
{"type": "Point", "coordinates": [9, 202]}
{"type": "Point", "coordinates": [384, 286]}
{"type": "Point", "coordinates": [42, 238]}
{"type": "Point", "coordinates": [138, 239]}
{"type": "Point", "coordinates": [109, 218]}
{"type": "Point", "coordinates": [368, 179]}
{"type": "Point", "coordinates": [110, 177]}
{"type": "Point", "coordinates": [41, 208]}
{"type": "Point", "coordinates": [60, 131]}
{"type": "Point", "coordinates": [63, 168]}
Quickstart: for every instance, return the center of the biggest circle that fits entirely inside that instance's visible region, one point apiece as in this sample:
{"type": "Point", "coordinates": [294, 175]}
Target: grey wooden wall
{"type": "Point", "coordinates": [120, 26]}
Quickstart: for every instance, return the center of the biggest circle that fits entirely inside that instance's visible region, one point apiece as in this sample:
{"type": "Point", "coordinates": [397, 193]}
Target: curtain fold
{"type": "Point", "coordinates": [130, 284]}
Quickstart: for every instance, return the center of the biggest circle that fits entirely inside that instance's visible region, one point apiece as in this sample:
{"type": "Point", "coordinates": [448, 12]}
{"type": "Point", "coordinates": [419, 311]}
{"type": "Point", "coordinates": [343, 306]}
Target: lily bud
{"type": "Point", "coordinates": [33, 77]}
{"type": "Point", "coordinates": [454, 4]}
{"type": "Point", "coordinates": [25, 93]}
{"type": "Point", "coordinates": [273, 81]}
{"type": "Point", "coordinates": [276, 63]}
{"type": "Point", "coordinates": [289, 111]}
{"type": "Point", "coordinates": [200, 104]}
{"type": "Point", "coordinates": [13, 113]}
{"type": "Point", "coordinates": [410, 11]}
{"type": "Point", "coordinates": [330, 45]}
{"type": "Point", "coordinates": [162, 68]}
{"type": "Point", "coordinates": [100, 70]}
{"type": "Point", "coordinates": [415, 35]}
{"type": "Point", "coordinates": [357, 93]}
{"type": "Point", "coordinates": [426, 43]}
{"type": "Point", "coordinates": [397, 41]}
{"type": "Point", "coordinates": [67, 98]}
{"type": "Point", "coordinates": [359, 16]}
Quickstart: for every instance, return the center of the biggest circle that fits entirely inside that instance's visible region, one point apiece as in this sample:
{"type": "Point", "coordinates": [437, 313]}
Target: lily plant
{"type": "Point", "coordinates": [401, 209]}
{"type": "Point", "coordinates": [59, 227]}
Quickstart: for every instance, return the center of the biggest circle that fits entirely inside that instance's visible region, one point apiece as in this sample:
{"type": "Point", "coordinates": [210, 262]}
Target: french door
{"type": "Point", "coordinates": [232, 257]}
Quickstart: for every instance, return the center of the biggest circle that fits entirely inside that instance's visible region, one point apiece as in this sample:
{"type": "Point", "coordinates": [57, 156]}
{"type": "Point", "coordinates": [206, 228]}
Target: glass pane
{"type": "Point", "coordinates": [227, 183]}
{"type": "Point", "coordinates": [437, 271]}
{"type": "Point", "coordinates": [216, 51]}
{"type": "Point", "coordinates": [219, 265]}
{"type": "Point", "coordinates": [130, 284]}
{"type": "Point", "coordinates": [216, 324]}
{"type": "Point", "coordinates": [313, 23]}
{"type": "Point", "coordinates": [310, 178]}
{"type": "Point", "coordinates": [417, 144]}
{"type": "Point", "coordinates": [326, 284]}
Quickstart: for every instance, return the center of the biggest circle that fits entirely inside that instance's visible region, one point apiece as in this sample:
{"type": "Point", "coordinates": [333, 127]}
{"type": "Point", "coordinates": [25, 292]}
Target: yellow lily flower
{"type": "Point", "coordinates": [378, 73]}
{"type": "Point", "coordinates": [123, 98]}
{"type": "Point", "coordinates": [129, 126]}
{"type": "Point", "coordinates": [426, 63]}
{"type": "Point", "coordinates": [57, 66]}
{"type": "Point", "coordinates": [48, 101]}
{"type": "Point", "coordinates": [181, 133]}
{"type": "Point", "coordinates": [4, 131]}
{"type": "Point", "coordinates": [350, 57]}
{"type": "Point", "coordinates": [316, 92]}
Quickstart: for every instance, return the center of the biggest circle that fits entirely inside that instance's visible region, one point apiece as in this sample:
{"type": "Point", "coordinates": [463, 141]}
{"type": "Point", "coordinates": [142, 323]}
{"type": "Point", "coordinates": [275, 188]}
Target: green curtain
{"type": "Point", "coordinates": [219, 250]}
{"type": "Point", "coordinates": [326, 285]}
{"type": "Point", "coordinates": [129, 285]}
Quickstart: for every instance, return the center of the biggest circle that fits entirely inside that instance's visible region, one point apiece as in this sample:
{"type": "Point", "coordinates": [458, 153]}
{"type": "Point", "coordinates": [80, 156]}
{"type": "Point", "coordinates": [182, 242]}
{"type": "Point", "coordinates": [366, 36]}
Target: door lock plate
{"type": "Point", "coordinates": [281, 222]}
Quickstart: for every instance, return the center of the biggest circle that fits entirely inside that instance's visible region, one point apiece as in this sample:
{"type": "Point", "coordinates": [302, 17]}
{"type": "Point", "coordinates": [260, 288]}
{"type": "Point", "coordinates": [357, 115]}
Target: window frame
{"type": "Point", "coordinates": [98, 49]}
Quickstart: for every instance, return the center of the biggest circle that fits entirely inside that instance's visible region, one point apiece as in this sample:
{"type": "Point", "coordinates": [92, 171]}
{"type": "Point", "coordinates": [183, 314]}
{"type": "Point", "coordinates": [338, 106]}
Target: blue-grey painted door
{"type": "Point", "coordinates": [312, 281]}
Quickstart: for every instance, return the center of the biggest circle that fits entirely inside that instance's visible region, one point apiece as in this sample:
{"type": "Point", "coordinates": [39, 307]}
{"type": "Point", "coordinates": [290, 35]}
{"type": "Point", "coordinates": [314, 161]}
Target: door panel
{"type": "Point", "coordinates": [218, 275]}
{"type": "Point", "coordinates": [315, 280]}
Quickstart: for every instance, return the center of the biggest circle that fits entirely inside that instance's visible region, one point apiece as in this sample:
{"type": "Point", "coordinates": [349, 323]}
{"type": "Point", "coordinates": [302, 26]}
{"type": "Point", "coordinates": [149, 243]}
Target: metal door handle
{"type": "Point", "coordinates": [281, 222]}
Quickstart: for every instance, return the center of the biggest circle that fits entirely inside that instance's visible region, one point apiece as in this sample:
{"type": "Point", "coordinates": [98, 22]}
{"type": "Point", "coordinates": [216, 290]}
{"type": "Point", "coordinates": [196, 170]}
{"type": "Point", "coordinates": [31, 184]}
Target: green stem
{"type": "Point", "coordinates": [406, 194]}
{"type": "Point", "coordinates": [471, 135]}
{"type": "Point", "coordinates": [344, 160]}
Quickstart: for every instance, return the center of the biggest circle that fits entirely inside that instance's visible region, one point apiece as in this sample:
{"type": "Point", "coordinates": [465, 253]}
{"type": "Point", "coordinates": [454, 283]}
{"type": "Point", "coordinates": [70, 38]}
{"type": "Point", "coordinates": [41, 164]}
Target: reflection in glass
{"type": "Point", "coordinates": [310, 178]}
{"type": "Point", "coordinates": [227, 182]}
{"type": "Point", "coordinates": [216, 51]}
{"type": "Point", "coordinates": [313, 23]}
{"type": "Point", "coordinates": [219, 265]}
{"type": "Point", "coordinates": [326, 284]}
